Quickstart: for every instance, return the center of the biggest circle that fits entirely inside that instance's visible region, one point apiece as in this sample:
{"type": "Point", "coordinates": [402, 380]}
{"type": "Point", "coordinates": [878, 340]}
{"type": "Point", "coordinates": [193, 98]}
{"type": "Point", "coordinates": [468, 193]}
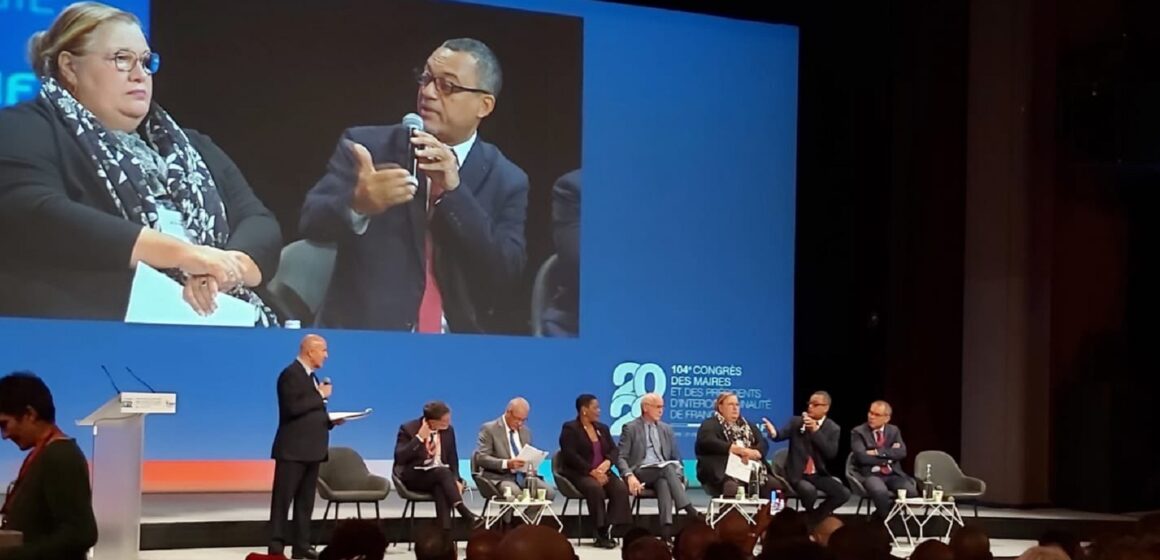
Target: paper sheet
{"type": "Point", "coordinates": [736, 469]}
{"type": "Point", "coordinates": [156, 299]}
{"type": "Point", "coordinates": [660, 465]}
{"type": "Point", "coordinates": [532, 456]}
{"type": "Point", "coordinates": [349, 415]}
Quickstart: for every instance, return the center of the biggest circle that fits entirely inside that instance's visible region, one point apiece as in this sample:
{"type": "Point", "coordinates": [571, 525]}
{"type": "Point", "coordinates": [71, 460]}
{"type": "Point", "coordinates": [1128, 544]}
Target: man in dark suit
{"type": "Point", "coordinates": [878, 452]}
{"type": "Point", "coordinates": [426, 460]}
{"type": "Point", "coordinates": [562, 318]}
{"type": "Point", "coordinates": [646, 443]}
{"type": "Point", "coordinates": [433, 253]}
{"type": "Point", "coordinates": [299, 446]}
{"type": "Point", "coordinates": [813, 440]}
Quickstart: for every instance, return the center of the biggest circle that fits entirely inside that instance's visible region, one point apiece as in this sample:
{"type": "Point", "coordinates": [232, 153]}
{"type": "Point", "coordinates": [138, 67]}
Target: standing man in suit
{"type": "Point", "coordinates": [813, 440]}
{"type": "Point", "coordinates": [500, 441]}
{"type": "Point", "coordinates": [299, 446]}
{"type": "Point", "coordinates": [432, 253]}
{"type": "Point", "coordinates": [645, 443]}
{"type": "Point", "coordinates": [426, 460]}
{"type": "Point", "coordinates": [878, 452]}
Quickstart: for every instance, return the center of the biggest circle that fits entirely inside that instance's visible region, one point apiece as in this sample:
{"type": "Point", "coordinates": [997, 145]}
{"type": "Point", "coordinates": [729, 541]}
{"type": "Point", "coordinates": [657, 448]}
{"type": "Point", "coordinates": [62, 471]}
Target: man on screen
{"type": "Point", "coordinates": [299, 447]}
{"type": "Point", "coordinates": [432, 253]}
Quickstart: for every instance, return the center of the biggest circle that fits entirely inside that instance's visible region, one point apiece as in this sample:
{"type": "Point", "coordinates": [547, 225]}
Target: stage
{"type": "Point", "coordinates": [238, 521]}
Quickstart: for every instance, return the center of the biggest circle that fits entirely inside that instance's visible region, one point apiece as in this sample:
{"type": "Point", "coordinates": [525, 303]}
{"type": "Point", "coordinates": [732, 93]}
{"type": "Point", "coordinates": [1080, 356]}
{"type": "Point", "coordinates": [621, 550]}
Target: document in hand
{"type": "Point", "coordinates": [349, 415]}
{"type": "Point", "coordinates": [741, 471]}
{"type": "Point", "coordinates": [532, 456]}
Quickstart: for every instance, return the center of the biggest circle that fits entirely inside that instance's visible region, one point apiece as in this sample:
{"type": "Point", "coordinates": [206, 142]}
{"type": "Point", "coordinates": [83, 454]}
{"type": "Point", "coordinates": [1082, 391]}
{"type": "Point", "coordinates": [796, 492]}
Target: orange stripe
{"type": "Point", "coordinates": [207, 476]}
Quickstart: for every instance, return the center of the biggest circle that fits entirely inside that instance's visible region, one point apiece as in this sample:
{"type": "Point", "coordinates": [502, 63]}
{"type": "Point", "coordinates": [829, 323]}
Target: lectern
{"type": "Point", "coordinates": [118, 442]}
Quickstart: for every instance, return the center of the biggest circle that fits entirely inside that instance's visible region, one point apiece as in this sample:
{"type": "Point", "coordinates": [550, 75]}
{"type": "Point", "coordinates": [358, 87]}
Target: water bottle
{"type": "Point", "coordinates": [927, 486]}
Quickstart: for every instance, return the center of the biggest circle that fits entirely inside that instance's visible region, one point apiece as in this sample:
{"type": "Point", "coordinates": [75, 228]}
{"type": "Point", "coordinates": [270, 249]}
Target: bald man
{"type": "Point", "coordinates": [500, 442]}
{"type": "Point", "coordinates": [299, 446]}
{"type": "Point", "coordinates": [645, 444]}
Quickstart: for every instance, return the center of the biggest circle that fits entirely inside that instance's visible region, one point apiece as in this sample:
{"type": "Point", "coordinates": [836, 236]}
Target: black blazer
{"type": "Point", "coordinates": [576, 449]}
{"type": "Point", "coordinates": [411, 452]}
{"type": "Point", "coordinates": [892, 452]}
{"type": "Point", "coordinates": [712, 449]}
{"type": "Point", "coordinates": [64, 247]}
{"type": "Point", "coordinates": [379, 276]}
{"type": "Point", "coordinates": [303, 423]}
{"type": "Point", "coordinates": [822, 445]}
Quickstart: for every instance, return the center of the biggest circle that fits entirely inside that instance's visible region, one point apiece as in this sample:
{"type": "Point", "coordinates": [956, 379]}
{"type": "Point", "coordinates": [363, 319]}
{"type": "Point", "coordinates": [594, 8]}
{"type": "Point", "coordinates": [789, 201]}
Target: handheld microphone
{"type": "Point", "coordinates": [326, 381]}
{"type": "Point", "coordinates": [412, 122]}
{"type": "Point", "coordinates": [147, 386]}
{"type": "Point", "coordinates": [803, 429]}
{"type": "Point", "coordinates": [110, 376]}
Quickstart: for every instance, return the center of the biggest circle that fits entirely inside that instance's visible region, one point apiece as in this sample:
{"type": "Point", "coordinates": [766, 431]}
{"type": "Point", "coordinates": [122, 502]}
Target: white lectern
{"type": "Point", "coordinates": [118, 434]}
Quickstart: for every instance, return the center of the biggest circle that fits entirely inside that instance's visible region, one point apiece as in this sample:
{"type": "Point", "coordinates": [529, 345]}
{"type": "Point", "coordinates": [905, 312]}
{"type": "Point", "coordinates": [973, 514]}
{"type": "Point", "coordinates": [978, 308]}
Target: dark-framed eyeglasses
{"type": "Point", "coordinates": [125, 61]}
{"type": "Point", "coordinates": [443, 85]}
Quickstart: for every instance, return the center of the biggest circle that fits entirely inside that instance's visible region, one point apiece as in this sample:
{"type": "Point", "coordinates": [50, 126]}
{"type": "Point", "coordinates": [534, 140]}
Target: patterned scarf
{"type": "Point", "coordinates": [187, 180]}
{"type": "Point", "coordinates": [736, 431]}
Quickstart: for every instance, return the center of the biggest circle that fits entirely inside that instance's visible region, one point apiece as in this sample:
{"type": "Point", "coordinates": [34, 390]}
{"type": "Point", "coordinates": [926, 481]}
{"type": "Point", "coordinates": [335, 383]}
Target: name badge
{"type": "Point", "coordinates": [170, 223]}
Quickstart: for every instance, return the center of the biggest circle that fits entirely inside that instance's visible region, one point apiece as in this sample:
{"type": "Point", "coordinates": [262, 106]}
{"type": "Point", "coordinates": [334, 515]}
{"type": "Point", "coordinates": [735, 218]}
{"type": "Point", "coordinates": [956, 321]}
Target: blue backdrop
{"type": "Point", "coordinates": [687, 243]}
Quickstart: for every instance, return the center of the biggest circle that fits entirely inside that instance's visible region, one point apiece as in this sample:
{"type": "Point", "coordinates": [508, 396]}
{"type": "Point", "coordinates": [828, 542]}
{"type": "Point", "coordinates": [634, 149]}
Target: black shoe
{"type": "Point", "coordinates": [308, 554]}
{"type": "Point", "coordinates": [604, 542]}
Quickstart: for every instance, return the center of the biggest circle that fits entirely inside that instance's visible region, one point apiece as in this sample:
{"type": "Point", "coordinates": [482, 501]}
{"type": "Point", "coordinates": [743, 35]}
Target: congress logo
{"type": "Point", "coordinates": [633, 380]}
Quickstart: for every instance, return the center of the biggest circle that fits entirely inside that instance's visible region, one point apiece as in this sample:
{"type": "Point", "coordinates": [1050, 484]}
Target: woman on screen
{"type": "Point", "coordinates": [96, 180]}
{"type": "Point", "coordinates": [727, 433]}
{"type": "Point", "coordinates": [586, 456]}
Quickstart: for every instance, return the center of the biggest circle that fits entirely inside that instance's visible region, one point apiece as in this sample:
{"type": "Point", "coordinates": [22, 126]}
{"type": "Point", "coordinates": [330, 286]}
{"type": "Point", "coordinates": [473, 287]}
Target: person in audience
{"type": "Point", "coordinates": [356, 539]}
{"type": "Point", "coordinates": [693, 540]}
{"type": "Point", "coordinates": [796, 549]}
{"type": "Point", "coordinates": [433, 542]}
{"type": "Point", "coordinates": [646, 443]}
{"type": "Point", "coordinates": [109, 181]}
{"type": "Point", "coordinates": [632, 534]}
{"type": "Point", "coordinates": [535, 542]}
{"type": "Point", "coordinates": [725, 550]}
{"type": "Point", "coordinates": [878, 452]}
{"type": "Point", "coordinates": [824, 529]}
{"type": "Point", "coordinates": [735, 530]}
{"type": "Point", "coordinates": [727, 433]}
{"type": "Point", "coordinates": [499, 444]}
{"type": "Point", "coordinates": [586, 458]}
{"type": "Point", "coordinates": [813, 440]}
{"type": "Point", "coordinates": [971, 543]}
{"type": "Point", "coordinates": [932, 550]}
{"type": "Point", "coordinates": [483, 545]}
{"type": "Point", "coordinates": [50, 501]}
{"type": "Point", "coordinates": [647, 547]}
{"type": "Point", "coordinates": [1043, 553]}
{"type": "Point", "coordinates": [419, 253]}
{"type": "Point", "coordinates": [1065, 541]}
{"type": "Point", "coordinates": [787, 525]}
{"type": "Point", "coordinates": [860, 541]}
{"type": "Point", "coordinates": [426, 460]}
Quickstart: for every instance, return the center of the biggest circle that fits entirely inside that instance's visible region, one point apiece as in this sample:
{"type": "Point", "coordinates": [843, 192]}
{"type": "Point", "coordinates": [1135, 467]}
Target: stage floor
{"type": "Point", "coordinates": [201, 521]}
{"type": "Point", "coordinates": [1001, 549]}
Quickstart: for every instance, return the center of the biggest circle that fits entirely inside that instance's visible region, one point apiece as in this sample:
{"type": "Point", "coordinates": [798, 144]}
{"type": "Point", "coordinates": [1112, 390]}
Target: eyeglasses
{"type": "Point", "coordinates": [126, 61]}
{"type": "Point", "coordinates": [443, 85]}
{"type": "Point", "coordinates": [818, 404]}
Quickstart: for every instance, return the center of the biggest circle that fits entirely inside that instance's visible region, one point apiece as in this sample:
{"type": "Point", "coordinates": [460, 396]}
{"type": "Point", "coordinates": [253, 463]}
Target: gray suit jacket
{"type": "Point", "coordinates": [494, 448]}
{"type": "Point", "coordinates": [633, 444]}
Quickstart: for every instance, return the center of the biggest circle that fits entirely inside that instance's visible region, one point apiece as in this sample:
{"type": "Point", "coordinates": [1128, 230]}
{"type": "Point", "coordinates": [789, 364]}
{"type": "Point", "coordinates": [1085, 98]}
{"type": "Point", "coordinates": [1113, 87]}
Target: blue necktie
{"type": "Point", "coordinates": [515, 453]}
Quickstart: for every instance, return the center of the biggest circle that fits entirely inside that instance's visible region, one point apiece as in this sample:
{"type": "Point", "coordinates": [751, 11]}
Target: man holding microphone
{"type": "Point", "coordinates": [813, 440]}
{"type": "Point", "coordinates": [300, 445]}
